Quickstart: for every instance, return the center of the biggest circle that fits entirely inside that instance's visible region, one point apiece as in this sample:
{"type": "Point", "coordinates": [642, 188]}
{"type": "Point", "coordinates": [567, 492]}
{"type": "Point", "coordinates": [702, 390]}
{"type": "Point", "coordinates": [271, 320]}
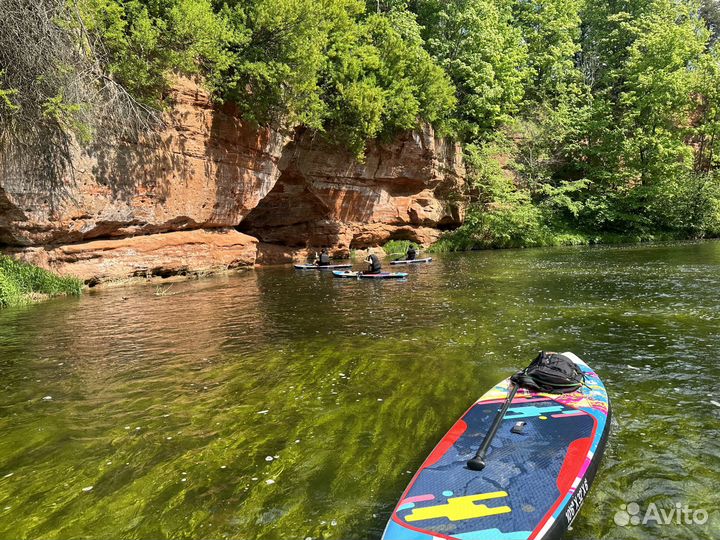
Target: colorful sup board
{"type": "Point", "coordinates": [534, 482]}
{"type": "Point", "coordinates": [414, 261]}
{"type": "Point", "coordinates": [318, 267]}
{"type": "Point", "coordinates": [381, 275]}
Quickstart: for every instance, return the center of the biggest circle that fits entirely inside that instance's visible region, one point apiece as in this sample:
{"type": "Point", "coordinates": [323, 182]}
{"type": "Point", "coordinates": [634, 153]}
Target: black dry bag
{"type": "Point", "coordinates": [550, 372]}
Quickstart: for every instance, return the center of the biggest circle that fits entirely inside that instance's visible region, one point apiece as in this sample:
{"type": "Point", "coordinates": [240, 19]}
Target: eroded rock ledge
{"type": "Point", "coordinates": [174, 203]}
{"type": "Point", "coordinates": [153, 255]}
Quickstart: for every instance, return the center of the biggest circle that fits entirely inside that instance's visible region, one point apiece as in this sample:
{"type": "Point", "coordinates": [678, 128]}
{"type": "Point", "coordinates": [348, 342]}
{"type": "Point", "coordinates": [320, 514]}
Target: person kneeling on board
{"type": "Point", "coordinates": [323, 259]}
{"type": "Point", "coordinates": [411, 253]}
{"type": "Point", "coordinates": [374, 266]}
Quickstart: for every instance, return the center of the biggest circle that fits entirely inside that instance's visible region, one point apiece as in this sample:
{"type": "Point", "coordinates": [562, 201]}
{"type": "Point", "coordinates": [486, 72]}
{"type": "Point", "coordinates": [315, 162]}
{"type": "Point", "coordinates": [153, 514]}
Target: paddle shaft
{"type": "Point", "coordinates": [478, 462]}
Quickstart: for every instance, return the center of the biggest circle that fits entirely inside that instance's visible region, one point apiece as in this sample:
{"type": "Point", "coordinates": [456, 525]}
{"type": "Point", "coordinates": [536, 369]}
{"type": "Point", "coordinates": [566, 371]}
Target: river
{"type": "Point", "coordinates": [284, 404]}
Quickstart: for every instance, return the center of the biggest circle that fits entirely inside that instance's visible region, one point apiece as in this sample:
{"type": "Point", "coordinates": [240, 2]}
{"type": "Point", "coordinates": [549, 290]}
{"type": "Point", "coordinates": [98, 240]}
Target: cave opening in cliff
{"type": "Point", "coordinates": [448, 223]}
{"type": "Point", "coordinates": [290, 215]}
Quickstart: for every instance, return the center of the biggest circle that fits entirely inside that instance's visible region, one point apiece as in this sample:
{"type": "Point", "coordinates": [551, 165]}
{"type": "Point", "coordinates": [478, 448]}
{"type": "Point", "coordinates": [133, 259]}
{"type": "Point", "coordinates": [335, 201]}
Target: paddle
{"type": "Point", "coordinates": [478, 462]}
{"type": "Point", "coordinates": [549, 372]}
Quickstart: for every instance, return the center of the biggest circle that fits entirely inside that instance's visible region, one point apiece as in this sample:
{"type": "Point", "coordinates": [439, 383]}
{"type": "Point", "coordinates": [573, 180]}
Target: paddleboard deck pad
{"type": "Point", "coordinates": [534, 482]}
{"type": "Point", "coordinates": [380, 275]}
{"type": "Point", "coordinates": [413, 261]}
{"type": "Point", "coordinates": [319, 267]}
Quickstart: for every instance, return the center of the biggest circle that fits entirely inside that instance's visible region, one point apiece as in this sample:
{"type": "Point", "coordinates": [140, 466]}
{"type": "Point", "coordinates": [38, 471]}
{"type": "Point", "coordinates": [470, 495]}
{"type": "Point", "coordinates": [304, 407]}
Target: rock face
{"type": "Point", "coordinates": [174, 253]}
{"type": "Point", "coordinates": [324, 197]}
{"type": "Point", "coordinates": [206, 169]}
{"type": "Point", "coordinates": [178, 196]}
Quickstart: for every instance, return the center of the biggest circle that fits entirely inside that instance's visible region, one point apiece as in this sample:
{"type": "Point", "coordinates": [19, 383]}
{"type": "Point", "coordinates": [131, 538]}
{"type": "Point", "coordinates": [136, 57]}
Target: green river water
{"type": "Point", "coordinates": [282, 404]}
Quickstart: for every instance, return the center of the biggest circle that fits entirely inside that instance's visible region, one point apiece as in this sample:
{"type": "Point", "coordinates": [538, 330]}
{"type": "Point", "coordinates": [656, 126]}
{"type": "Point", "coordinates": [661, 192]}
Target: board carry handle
{"type": "Point", "coordinates": [477, 463]}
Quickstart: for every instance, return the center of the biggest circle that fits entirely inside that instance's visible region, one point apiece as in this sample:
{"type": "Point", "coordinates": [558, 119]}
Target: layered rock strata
{"type": "Point", "coordinates": [181, 196]}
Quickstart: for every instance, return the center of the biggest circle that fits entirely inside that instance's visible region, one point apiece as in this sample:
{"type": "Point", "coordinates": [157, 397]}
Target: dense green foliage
{"type": "Point", "coordinates": [398, 248]}
{"type": "Point", "coordinates": [326, 64]}
{"type": "Point", "coordinates": [579, 118]}
{"type": "Point", "coordinates": [145, 40]}
{"type": "Point", "coordinates": [484, 54]}
{"type": "Point", "coordinates": [616, 133]}
{"type": "Point", "coordinates": [21, 283]}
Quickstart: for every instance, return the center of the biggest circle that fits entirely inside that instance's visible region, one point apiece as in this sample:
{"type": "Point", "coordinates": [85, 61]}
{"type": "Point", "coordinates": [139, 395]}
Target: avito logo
{"type": "Point", "coordinates": [679, 514]}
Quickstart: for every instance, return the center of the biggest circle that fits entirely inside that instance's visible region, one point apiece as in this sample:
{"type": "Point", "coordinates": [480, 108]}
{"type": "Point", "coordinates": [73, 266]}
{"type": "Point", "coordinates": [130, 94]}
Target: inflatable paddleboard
{"type": "Point", "coordinates": [318, 267]}
{"type": "Point", "coordinates": [414, 261]}
{"type": "Point", "coordinates": [381, 275]}
{"type": "Point", "coordinates": [536, 477]}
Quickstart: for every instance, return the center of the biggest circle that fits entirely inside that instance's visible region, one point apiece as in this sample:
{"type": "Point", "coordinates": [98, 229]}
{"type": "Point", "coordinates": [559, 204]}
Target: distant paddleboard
{"type": "Point", "coordinates": [413, 261]}
{"type": "Point", "coordinates": [380, 275]}
{"type": "Point", "coordinates": [539, 468]}
{"type": "Point", "coordinates": [318, 267]}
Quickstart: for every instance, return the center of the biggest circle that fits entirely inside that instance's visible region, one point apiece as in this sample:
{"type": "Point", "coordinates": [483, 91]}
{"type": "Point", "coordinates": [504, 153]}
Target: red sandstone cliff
{"type": "Point", "coordinates": [175, 203]}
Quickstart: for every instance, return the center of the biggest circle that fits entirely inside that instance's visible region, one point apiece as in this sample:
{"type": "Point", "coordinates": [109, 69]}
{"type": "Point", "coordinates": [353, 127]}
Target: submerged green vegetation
{"type": "Point", "coordinates": [581, 120]}
{"type": "Point", "coordinates": [276, 404]}
{"type": "Point", "coordinates": [22, 283]}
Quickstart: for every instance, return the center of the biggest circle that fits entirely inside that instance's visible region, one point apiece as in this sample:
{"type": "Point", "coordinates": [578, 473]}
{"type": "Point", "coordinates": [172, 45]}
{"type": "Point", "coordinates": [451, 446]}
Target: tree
{"type": "Point", "coordinates": [145, 41]}
{"type": "Point", "coordinates": [275, 76]}
{"type": "Point", "coordinates": [709, 11]}
{"type": "Point", "coordinates": [381, 80]}
{"type": "Point", "coordinates": [484, 55]}
{"type": "Point", "coordinates": [386, 6]}
{"type": "Point", "coordinates": [642, 115]}
{"type": "Point", "coordinates": [60, 93]}
{"type": "Point", "coordinates": [551, 30]}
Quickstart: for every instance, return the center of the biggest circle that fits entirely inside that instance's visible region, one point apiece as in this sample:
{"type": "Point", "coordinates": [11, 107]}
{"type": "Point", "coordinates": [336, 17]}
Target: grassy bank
{"type": "Point", "coordinates": [398, 247]}
{"type": "Point", "coordinates": [22, 283]}
{"type": "Point", "coordinates": [464, 240]}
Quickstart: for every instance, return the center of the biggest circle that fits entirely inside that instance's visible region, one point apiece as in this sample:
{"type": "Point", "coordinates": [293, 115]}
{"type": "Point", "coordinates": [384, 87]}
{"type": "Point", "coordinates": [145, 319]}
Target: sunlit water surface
{"type": "Point", "coordinates": [281, 404]}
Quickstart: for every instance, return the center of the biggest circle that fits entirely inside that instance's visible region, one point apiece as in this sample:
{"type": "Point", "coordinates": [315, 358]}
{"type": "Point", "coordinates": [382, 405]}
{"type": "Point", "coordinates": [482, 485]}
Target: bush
{"type": "Point", "coordinates": [505, 225]}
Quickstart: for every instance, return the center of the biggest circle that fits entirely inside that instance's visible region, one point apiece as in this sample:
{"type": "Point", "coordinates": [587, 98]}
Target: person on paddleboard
{"type": "Point", "coordinates": [411, 253]}
{"type": "Point", "coordinates": [323, 259]}
{"type": "Point", "coordinates": [374, 266]}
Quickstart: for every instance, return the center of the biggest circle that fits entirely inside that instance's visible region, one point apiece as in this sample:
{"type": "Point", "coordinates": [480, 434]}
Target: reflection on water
{"type": "Point", "coordinates": [283, 404]}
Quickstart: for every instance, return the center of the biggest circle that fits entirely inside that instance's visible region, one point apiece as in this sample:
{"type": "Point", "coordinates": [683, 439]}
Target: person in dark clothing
{"type": "Point", "coordinates": [411, 253]}
{"type": "Point", "coordinates": [324, 258]}
{"type": "Point", "coordinates": [374, 266]}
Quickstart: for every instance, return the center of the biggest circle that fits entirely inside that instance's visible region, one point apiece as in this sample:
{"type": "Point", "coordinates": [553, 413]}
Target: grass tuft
{"type": "Point", "coordinates": [22, 283]}
{"type": "Point", "coordinates": [399, 247]}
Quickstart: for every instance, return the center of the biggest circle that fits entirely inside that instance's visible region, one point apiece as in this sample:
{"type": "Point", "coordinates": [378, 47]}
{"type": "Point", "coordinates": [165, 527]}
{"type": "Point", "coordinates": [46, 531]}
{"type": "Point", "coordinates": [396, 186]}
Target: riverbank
{"type": "Point", "coordinates": [465, 240]}
{"type": "Point", "coordinates": [23, 283]}
{"type": "Point", "coordinates": [211, 191]}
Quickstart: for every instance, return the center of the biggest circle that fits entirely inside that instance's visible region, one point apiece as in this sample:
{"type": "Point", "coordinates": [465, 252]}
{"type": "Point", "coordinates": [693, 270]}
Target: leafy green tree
{"type": "Point", "coordinates": [709, 11]}
{"type": "Point", "coordinates": [383, 81]}
{"type": "Point", "coordinates": [144, 41]}
{"type": "Point", "coordinates": [386, 6]}
{"type": "Point", "coordinates": [641, 109]}
{"type": "Point", "coordinates": [333, 67]}
{"type": "Point", "coordinates": [484, 55]}
{"type": "Point", "coordinates": [551, 29]}
{"type": "Point", "coordinates": [706, 124]}
{"type": "Point", "coordinates": [276, 75]}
